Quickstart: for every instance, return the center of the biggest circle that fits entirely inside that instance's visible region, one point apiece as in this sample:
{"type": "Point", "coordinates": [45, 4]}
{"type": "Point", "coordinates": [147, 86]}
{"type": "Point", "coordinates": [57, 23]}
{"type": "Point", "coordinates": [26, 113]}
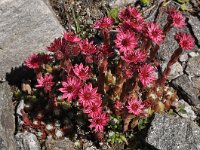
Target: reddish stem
{"type": "Point", "coordinates": [167, 27]}
{"type": "Point", "coordinates": [106, 37]}
{"type": "Point", "coordinates": [101, 77]}
{"type": "Point", "coordinates": [117, 91]}
{"type": "Point", "coordinates": [174, 59]}
{"type": "Point", "coordinates": [147, 45]}
{"type": "Point", "coordinates": [154, 51]}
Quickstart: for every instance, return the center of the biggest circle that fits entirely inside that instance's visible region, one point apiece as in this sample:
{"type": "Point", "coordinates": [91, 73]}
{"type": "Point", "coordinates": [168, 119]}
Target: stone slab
{"type": "Point", "coordinates": [7, 120]}
{"type": "Point", "coordinates": [26, 26]}
{"type": "Point", "coordinates": [173, 133]}
{"type": "Point", "coordinates": [193, 66]}
{"type": "Point", "coordinates": [195, 24]}
{"type": "Point", "coordinates": [185, 86]}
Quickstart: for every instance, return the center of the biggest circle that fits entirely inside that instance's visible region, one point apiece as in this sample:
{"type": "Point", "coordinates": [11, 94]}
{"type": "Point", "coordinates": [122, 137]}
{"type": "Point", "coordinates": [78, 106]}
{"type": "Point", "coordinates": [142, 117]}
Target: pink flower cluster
{"type": "Point", "coordinates": [109, 78]}
{"type": "Point", "coordinates": [91, 102]}
{"type": "Point", "coordinates": [88, 98]}
{"type": "Point", "coordinates": [45, 82]}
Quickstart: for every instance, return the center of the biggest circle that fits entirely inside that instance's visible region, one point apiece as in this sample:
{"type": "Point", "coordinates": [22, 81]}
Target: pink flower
{"type": "Point", "coordinates": [185, 40]}
{"type": "Point", "coordinates": [70, 88]}
{"type": "Point", "coordinates": [71, 37]}
{"type": "Point", "coordinates": [154, 32]}
{"type": "Point", "coordinates": [125, 26]}
{"type": "Point", "coordinates": [88, 96]}
{"type": "Point", "coordinates": [176, 18]}
{"type": "Point", "coordinates": [93, 110]}
{"type": "Point", "coordinates": [126, 41]}
{"type": "Point", "coordinates": [87, 48]}
{"type": "Point", "coordinates": [146, 76]}
{"type": "Point", "coordinates": [130, 13]}
{"type": "Point", "coordinates": [45, 82]}
{"type": "Point", "coordinates": [135, 107]}
{"type": "Point", "coordinates": [99, 122]}
{"type": "Point", "coordinates": [135, 13]}
{"type": "Point", "coordinates": [81, 72]}
{"type": "Point", "coordinates": [137, 25]}
{"type": "Point", "coordinates": [118, 105]}
{"type": "Point", "coordinates": [33, 61]}
{"type": "Point", "coordinates": [71, 45]}
{"type": "Point", "coordinates": [105, 22]}
{"type": "Point", "coordinates": [134, 56]}
{"type": "Point", "coordinates": [124, 14]}
{"type": "Point", "coordinates": [59, 55]}
{"type": "Point", "coordinates": [56, 45]}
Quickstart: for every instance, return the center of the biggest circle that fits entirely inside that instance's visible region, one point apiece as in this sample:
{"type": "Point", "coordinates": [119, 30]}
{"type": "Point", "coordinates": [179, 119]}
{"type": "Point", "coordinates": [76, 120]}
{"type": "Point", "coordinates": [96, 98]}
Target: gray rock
{"type": "Point", "coordinates": [195, 24]}
{"type": "Point", "coordinates": [64, 144]}
{"type": "Point", "coordinates": [193, 66]}
{"type": "Point", "coordinates": [88, 145]}
{"type": "Point", "coordinates": [189, 113]}
{"type": "Point", "coordinates": [183, 57]}
{"type": "Point", "coordinates": [173, 133]}
{"type": "Point", "coordinates": [26, 26]}
{"type": "Point", "coordinates": [7, 121]}
{"type": "Point", "coordinates": [168, 47]}
{"type": "Point", "coordinates": [26, 141]}
{"type": "Point", "coordinates": [193, 54]}
{"type": "Point", "coordinates": [120, 3]}
{"type": "Point", "coordinates": [187, 90]}
{"type": "Point", "coordinates": [176, 70]}
{"type": "Point", "coordinates": [196, 82]}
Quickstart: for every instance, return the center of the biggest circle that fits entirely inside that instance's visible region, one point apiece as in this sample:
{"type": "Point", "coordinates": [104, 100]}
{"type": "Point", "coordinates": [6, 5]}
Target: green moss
{"type": "Point", "coordinates": [145, 2]}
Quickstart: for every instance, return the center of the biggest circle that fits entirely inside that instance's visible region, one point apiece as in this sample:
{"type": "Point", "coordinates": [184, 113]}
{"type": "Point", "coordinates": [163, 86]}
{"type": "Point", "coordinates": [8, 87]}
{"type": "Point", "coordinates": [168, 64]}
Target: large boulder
{"type": "Point", "coordinates": [7, 121]}
{"type": "Point", "coordinates": [26, 26]}
{"type": "Point", "coordinates": [173, 133]}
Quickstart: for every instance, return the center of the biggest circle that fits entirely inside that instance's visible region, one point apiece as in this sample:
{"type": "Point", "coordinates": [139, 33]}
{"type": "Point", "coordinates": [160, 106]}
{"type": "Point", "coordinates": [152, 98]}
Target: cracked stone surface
{"type": "Point", "coordinates": [184, 85]}
{"type": "Point", "coordinates": [120, 3]}
{"type": "Point", "coordinates": [193, 66]}
{"type": "Point", "coordinates": [59, 144]}
{"type": "Point", "coordinates": [195, 24]}
{"type": "Point", "coordinates": [189, 113]}
{"type": "Point", "coordinates": [7, 121]}
{"type": "Point", "coordinates": [196, 82]}
{"type": "Point", "coordinates": [26, 26]}
{"type": "Point", "coordinates": [173, 133]}
{"type": "Point", "coordinates": [183, 57]}
{"type": "Point", "coordinates": [176, 70]}
{"type": "Point", "coordinates": [26, 141]}
{"type": "Point", "coordinates": [88, 145]}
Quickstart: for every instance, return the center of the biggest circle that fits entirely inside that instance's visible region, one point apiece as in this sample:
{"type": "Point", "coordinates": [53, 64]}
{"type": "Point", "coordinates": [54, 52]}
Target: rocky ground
{"type": "Point", "coordinates": [28, 26]}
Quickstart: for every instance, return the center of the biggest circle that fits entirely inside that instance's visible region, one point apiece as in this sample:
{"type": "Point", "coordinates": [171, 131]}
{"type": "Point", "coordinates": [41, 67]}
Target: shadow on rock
{"type": "Point", "coordinates": [19, 75]}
